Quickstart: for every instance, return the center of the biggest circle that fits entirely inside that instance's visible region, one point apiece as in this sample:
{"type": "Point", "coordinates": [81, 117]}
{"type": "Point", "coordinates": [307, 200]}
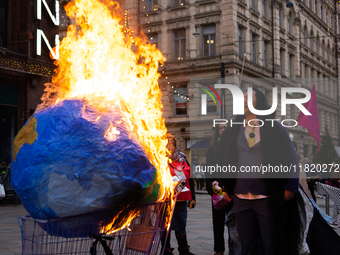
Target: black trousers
{"type": "Point", "coordinates": [254, 219]}
{"type": "Point", "coordinates": [218, 217]}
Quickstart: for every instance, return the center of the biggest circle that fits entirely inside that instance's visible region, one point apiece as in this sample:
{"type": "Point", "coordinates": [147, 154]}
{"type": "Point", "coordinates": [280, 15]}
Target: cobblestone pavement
{"type": "Point", "coordinates": [199, 227]}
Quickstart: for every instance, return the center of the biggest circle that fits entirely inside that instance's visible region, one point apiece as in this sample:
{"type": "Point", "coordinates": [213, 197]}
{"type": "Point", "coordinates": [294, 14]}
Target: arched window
{"type": "Point", "coordinates": [317, 45]}
{"type": "Point", "coordinates": [280, 17]}
{"type": "Point", "coordinates": [290, 25]}
{"type": "Point", "coordinates": [265, 5]}
{"type": "Point", "coordinates": [328, 51]}
{"type": "Point", "coordinates": [323, 49]}
{"type": "Point", "coordinates": [311, 40]}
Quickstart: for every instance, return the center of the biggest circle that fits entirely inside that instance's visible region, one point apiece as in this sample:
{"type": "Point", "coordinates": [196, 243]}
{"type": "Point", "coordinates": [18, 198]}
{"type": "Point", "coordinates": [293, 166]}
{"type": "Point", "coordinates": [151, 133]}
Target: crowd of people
{"type": "Point", "coordinates": [262, 213]}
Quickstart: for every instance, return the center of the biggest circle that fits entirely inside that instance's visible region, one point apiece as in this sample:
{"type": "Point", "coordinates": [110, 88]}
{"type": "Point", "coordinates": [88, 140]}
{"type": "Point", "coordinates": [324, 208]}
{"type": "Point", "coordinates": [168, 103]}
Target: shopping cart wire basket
{"type": "Point", "coordinates": [81, 234]}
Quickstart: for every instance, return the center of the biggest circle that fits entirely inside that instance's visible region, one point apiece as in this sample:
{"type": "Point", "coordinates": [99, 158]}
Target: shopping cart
{"type": "Point", "coordinates": [74, 235]}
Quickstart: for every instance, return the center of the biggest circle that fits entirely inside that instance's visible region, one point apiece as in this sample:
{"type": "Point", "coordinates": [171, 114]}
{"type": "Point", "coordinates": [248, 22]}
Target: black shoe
{"type": "Point", "coordinates": [186, 253]}
{"type": "Point", "coordinates": [166, 252]}
{"type": "Point", "coordinates": [15, 205]}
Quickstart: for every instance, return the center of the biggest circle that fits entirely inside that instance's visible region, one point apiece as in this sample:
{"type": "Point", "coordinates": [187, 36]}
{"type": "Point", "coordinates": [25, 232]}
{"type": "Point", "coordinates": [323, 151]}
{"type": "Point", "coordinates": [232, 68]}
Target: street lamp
{"type": "Point", "coordinates": [196, 34]}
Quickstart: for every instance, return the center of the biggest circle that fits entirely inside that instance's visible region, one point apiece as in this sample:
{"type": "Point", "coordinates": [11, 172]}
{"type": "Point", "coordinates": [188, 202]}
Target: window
{"type": "Point", "coordinates": [331, 20]}
{"type": "Point", "coordinates": [291, 66]}
{"type": "Point", "coordinates": [305, 36]}
{"type": "Point", "coordinates": [306, 71]}
{"type": "Point", "coordinates": [265, 9]}
{"type": "Point", "coordinates": [317, 45]}
{"type": "Point", "coordinates": [310, 4]}
{"type": "Point", "coordinates": [326, 17]}
{"type": "Point", "coordinates": [211, 106]}
{"type": "Point", "coordinates": [253, 47]}
{"type": "Point", "coordinates": [180, 103]}
{"type": "Point", "coordinates": [178, 2]}
{"type": "Point", "coordinates": [3, 23]}
{"type": "Point", "coordinates": [265, 48]}
{"type": "Point", "coordinates": [253, 5]}
{"type": "Point", "coordinates": [240, 41]}
{"type": "Point", "coordinates": [209, 40]}
{"type": "Point", "coordinates": [321, 13]}
{"type": "Point", "coordinates": [311, 41]}
{"type": "Point", "coordinates": [179, 42]}
{"type": "Point", "coordinates": [316, 7]}
{"type": "Point", "coordinates": [280, 17]}
{"type": "Point", "coordinates": [290, 17]}
{"type": "Point", "coordinates": [292, 111]}
{"type": "Point", "coordinates": [151, 5]}
{"type": "Point", "coordinates": [281, 60]}
{"type": "Point", "coordinates": [153, 39]}
{"type": "Point", "coordinates": [328, 54]}
{"type": "Point", "coordinates": [323, 50]}
{"type": "Point", "coordinates": [305, 151]}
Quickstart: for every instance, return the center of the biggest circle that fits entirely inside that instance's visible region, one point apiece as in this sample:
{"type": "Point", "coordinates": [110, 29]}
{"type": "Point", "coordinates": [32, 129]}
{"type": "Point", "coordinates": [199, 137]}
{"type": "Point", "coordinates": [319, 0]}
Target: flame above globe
{"type": "Point", "coordinates": [101, 113]}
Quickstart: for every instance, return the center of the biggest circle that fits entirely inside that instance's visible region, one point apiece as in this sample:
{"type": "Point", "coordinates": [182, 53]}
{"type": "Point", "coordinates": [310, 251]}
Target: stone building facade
{"type": "Point", "coordinates": [197, 36]}
{"type": "Point", "coordinates": [23, 71]}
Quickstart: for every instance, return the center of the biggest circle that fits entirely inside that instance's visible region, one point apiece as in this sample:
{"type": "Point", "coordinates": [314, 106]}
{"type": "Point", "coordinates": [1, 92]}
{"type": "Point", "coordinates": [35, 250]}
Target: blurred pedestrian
{"type": "Point", "coordinates": [198, 175]}
{"type": "Point", "coordinates": [180, 169]}
{"type": "Point", "coordinates": [201, 177]}
{"type": "Point", "coordinates": [335, 175]}
{"type": "Point", "coordinates": [218, 215]}
{"type": "Point", "coordinates": [310, 178]}
{"type": "Point", "coordinates": [6, 181]}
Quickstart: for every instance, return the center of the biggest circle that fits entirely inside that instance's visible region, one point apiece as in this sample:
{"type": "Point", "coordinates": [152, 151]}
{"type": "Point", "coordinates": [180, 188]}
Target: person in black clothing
{"type": "Point", "coordinates": [6, 181]}
{"type": "Point", "coordinates": [218, 216]}
{"type": "Point", "coordinates": [310, 178]}
{"type": "Point", "coordinates": [265, 207]}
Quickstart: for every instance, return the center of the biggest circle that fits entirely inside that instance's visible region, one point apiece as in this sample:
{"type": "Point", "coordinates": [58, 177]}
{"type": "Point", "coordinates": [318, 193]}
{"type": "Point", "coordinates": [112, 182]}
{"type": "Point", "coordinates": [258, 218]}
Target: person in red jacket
{"type": "Point", "coordinates": [180, 167]}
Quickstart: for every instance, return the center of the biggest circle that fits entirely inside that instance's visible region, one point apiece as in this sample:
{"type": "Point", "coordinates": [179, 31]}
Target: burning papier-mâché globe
{"type": "Point", "coordinates": [69, 159]}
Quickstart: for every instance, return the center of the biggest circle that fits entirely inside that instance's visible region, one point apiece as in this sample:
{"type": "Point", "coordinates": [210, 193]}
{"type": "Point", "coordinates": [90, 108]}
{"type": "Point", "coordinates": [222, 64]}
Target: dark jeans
{"type": "Point", "coordinates": [218, 217]}
{"type": "Point", "coordinates": [311, 184]}
{"type": "Point", "coordinates": [178, 224]}
{"type": "Point", "coordinates": [202, 183]}
{"type": "Point", "coordinates": [254, 218]}
{"type": "Point", "coordinates": [16, 197]}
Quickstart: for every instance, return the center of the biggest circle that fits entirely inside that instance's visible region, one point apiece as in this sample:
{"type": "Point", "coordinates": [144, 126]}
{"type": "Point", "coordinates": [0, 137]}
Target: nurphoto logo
{"type": "Point", "coordinates": [238, 103]}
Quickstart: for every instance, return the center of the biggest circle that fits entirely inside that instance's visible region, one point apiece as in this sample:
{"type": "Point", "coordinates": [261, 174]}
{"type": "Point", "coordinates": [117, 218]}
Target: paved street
{"type": "Point", "coordinates": [199, 227]}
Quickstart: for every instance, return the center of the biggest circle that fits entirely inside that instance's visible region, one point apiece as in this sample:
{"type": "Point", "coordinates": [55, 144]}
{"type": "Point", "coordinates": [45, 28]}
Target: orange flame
{"type": "Point", "coordinates": [102, 65]}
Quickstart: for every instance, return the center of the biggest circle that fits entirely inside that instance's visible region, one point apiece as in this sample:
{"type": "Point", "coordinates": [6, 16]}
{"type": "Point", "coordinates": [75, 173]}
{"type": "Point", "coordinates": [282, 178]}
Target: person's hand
{"type": "Point", "coordinates": [228, 197]}
{"type": "Point", "coordinates": [192, 204]}
{"type": "Point", "coordinates": [288, 195]}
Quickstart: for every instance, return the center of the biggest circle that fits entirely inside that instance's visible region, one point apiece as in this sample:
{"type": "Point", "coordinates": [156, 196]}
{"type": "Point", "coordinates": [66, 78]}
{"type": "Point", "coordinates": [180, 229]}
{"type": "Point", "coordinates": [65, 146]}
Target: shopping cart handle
{"type": "Point", "coordinates": [100, 238]}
